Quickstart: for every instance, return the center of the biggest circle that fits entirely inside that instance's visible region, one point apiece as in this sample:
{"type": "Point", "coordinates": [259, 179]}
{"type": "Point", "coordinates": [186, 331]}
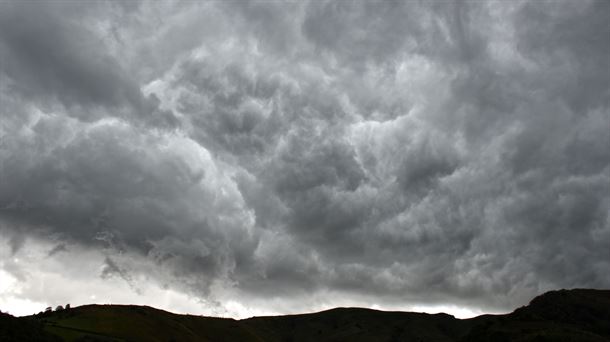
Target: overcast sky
{"type": "Point", "coordinates": [240, 158]}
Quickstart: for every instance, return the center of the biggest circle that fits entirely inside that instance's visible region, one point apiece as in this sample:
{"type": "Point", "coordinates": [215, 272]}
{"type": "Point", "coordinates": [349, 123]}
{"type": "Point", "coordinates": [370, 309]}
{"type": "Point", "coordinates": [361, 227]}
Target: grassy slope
{"type": "Point", "coordinates": [141, 323]}
{"type": "Point", "coordinates": [23, 329]}
{"type": "Point", "coordinates": [575, 315]}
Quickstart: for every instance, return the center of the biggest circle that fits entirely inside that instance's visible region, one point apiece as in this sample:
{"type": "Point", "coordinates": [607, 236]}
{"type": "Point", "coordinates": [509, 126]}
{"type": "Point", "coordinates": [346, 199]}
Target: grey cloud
{"type": "Point", "coordinates": [111, 269]}
{"type": "Point", "coordinates": [57, 249]}
{"type": "Point", "coordinates": [47, 56]}
{"type": "Point", "coordinates": [50, 55]}
{"type": "Point", "coordinates": [275, 25]}
{"type": "Point", "coordinates": [435, 153]}
{"type": "Point", "coordinates": [242, 120]}
{"type": "Point", "coordinates": [157, 196]}
{"type": "Point", "coordinates": [575, 41]}
{"type": "Point", "coordinates": [301, 166]}
{"type": "Point", "coordinates": [426, 163]}
{"type": "Point", "coordinates": [16, 242]}
{"type": "Point", "coordinates": [353, 29]}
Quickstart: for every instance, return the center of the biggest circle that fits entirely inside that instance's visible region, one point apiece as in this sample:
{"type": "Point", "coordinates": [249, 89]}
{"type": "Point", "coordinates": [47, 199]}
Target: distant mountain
{"type": "Point", "coordinates": [565, 315]}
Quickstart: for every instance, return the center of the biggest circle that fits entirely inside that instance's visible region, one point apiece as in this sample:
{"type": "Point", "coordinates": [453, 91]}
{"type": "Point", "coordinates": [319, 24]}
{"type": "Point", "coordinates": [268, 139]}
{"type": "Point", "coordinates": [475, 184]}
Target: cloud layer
{"type": "Point", "coordinates": [260, 156]}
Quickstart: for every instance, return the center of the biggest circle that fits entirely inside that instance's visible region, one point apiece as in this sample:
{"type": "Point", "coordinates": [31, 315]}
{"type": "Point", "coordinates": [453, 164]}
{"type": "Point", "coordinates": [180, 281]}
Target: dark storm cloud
{"type": "Point", "coordinates": [152, 203]}
{"type": "Point", "coordinates": [351, 30]}
{"type": "Point", "coordinates": [47, 56]}
{"type": "Point", "coordinates": [425, 153]}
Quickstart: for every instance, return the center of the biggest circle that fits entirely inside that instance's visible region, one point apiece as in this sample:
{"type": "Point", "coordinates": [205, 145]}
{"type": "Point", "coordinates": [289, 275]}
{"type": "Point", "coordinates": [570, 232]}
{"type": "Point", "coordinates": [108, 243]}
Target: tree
{"type": "Point", "coordinates": [59, 308]}
{"type": "Point", "coordinates": [67, 306]}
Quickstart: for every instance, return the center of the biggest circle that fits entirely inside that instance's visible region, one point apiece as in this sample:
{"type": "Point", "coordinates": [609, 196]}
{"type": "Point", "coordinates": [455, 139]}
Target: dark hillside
{"type": "Point", "coordinates": [355, 324]}
{"type": "Point", "coordinates": [141, 323]}
{"type": "Point", "coordinates": [566, 315]}
{"type": "Point", "coordinates": [23, 329]}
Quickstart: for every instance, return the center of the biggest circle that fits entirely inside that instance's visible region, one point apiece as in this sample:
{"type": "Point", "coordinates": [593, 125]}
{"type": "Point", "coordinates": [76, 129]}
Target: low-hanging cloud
{"type": "Point", "coordinates": [398, 152]}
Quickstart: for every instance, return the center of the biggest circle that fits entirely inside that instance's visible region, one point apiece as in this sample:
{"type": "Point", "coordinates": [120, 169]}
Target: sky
{"type": "Point", "coordinates": [240, 158]}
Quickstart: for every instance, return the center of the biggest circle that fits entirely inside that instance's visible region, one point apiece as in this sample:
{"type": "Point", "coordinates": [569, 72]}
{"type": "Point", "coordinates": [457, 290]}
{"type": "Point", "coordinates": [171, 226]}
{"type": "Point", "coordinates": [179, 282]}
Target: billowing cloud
{"type": "Point", "coordinates": [267, 157]}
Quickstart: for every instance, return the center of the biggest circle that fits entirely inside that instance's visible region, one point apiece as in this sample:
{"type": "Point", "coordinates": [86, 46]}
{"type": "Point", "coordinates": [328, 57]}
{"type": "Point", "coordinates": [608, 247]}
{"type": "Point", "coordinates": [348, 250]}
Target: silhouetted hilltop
{"type": "Point", "coordinates": [357, 324]}
{"type": "Point", "coordinates": [565, 315]}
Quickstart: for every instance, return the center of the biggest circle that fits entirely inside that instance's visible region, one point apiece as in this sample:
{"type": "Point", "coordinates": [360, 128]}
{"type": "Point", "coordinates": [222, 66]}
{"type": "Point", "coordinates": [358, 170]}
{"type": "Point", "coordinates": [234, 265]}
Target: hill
{"type": "Point", "coordinates": [565, 315]}
{"type": "Point", "coordinates": [23, 329]}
